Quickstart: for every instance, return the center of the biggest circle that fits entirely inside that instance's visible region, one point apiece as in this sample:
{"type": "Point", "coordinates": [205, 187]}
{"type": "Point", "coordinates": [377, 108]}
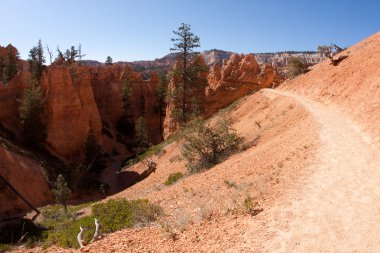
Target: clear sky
{"type": "Point", "coordinates": [141, 29]}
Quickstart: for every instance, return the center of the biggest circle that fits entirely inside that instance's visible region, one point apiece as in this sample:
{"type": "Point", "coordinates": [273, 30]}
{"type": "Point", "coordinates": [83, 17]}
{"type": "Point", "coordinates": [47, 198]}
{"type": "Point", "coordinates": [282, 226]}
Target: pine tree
{"type": "Point", "coordinates": [31, 109]}
{"type": "Point", "coordinates": [185, 74]}
{"type": "Point", "coordinates": [109, 61]}
{"type": "Point", "coordinates": [141, 132]}
{"type": "Point", "coordinates": [61, 191]}
{"type": "Point", "coordinates": [10, 64]}
{"type": "Point", "coordinates": [36, 61]}
{"type": "Point", "coordinates": [71, 54]}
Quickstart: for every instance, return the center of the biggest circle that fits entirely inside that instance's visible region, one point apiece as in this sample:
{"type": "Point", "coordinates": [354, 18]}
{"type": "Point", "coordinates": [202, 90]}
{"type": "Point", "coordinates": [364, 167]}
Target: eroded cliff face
{"type": "Point", "coordinates": [237, 77]}
{"type": "Point", "coordinates": [70, 108]}
{"type": "Point", "coordinates": [24, 173]}
{"type": "Point", "coordinates": [76, 99]}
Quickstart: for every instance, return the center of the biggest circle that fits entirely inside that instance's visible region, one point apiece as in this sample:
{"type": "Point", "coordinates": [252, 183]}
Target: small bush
{"type": "Point", "coordinates": [64, 234]}
{"type": "Point", "coordinates": [174, 177]}
{"type": "Point", "coordinates": [230, 184]}
{"type": "Point", "coordinates": [295, 67]}
{"type": "Point", "coordinates": [251, 208]}
{"type": "Point", "coordinates": [117, 214]}
{"type": "Point", "coordinates": [206, 146]}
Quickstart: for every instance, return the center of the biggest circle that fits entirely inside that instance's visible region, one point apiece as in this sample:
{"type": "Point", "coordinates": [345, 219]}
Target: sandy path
{"type": "Point", "coordinates": [338, 208]}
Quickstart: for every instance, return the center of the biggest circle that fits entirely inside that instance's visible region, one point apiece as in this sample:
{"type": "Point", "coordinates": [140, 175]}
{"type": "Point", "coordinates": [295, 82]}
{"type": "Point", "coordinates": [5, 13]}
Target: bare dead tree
{"type": "Point", "coordinates": [50, 54]}
{"type": "Point", "coordinates": [337, 48]}
{"type": "Point", "coordinates": [96, 236]}
{"type": "Point", "coordinates": [80, 55]}
{"type": "Point", "coordinates": [81, 242]}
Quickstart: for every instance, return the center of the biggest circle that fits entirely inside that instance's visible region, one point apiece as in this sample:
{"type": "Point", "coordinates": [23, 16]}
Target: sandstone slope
{"type": "Point", "coordinates": [314, 170]}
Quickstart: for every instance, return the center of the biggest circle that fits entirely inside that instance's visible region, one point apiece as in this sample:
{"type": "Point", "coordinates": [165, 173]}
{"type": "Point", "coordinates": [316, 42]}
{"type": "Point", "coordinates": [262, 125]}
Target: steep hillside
{"type": "Point", "coordinates": [353, 86]}
{"type": "Point", "coordinates": [22, 169]}
{"type": "Point", "coordinates": [311, 162]}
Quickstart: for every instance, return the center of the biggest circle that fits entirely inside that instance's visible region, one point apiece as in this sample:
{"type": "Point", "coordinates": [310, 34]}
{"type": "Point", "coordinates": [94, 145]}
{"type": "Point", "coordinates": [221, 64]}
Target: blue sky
{"type": "Point", "coordinates": [141, 29]}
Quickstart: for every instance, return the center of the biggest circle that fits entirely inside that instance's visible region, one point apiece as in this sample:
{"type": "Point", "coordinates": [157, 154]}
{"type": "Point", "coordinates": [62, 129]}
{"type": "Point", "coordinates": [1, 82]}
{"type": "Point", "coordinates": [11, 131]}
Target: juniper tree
{"type": "Point", "coordinates": [185, 73]}
{"type": "Point", "coordinates": [10, 64]}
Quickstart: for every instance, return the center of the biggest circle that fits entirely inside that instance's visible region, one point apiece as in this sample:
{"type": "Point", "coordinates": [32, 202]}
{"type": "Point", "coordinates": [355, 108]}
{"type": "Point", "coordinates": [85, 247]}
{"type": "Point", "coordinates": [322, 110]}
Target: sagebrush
{"type": "Point", "coordinates": [206, 146]}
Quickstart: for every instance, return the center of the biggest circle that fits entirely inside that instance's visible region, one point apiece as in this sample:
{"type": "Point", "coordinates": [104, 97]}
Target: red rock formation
{"type": "Point", "coordinates": [107, 85]}
{"type": "Point", "coordinates": [70, 108]}
{"type": "Point", "coordinates": [238, 76]}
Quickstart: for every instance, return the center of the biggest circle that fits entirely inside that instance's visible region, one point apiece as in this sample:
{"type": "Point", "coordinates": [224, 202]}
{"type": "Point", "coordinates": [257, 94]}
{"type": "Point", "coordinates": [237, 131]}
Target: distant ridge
{"type": "Point", "coordinates": [216, 56]}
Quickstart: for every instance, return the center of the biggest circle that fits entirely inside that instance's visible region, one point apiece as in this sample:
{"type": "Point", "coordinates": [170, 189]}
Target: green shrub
{"type": "Point", "coordinates": [63, 226]}
{"type": "Point", "coordinates": [116, 214]}
{"type": "Point", "coordinates": [206, 146]}
{"type": "Point", "coordinates": [174, 177]}
{"type": "Point", "coordinates": [5, 248]}
{"type": "Point", "coordinates": [64, 234]}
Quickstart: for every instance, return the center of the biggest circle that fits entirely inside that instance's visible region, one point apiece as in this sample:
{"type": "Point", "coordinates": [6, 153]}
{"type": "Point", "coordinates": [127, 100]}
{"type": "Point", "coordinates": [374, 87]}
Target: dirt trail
{"type": "Point", "coordinates": [338, 209]}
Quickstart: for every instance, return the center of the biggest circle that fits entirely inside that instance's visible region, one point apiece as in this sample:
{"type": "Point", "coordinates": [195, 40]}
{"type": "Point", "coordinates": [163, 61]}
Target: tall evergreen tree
{"type": "Point", "coordinates": [161, 91]}
{"type": "Point", "coordinates": [36, 61]}
{"type": "Point", "coordinates": [31, 109]}
{"type": "Point", "coordinates": [185, 74]}
{"type": "Point", "coordinates": [10, 63]}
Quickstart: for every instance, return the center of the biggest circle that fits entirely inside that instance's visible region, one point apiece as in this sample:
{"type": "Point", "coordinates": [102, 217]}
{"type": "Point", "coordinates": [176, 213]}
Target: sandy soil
{"type": "Point", "coordinates": [339, 205]}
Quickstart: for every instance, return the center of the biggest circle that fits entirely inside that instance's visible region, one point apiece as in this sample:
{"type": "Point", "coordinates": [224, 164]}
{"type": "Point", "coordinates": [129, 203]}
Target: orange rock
{"type": "Point", "coordinates": [70, 108]}
{"type": "Point", "coordinates": [238, 76]}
